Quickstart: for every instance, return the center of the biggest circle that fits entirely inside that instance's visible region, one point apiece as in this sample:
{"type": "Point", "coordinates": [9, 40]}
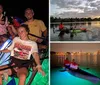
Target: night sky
{"type": "Point", "coordinates": [17, 8]}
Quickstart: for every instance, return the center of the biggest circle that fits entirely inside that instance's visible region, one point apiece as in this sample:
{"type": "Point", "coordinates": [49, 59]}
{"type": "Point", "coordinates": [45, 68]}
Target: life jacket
{"type": "Point", "coordinates": [66, 62]}
{"type": "Point", "coordinates": [61, 26]}
{"type": "Point", "coordinates": [74, 65]}
{"type": "Point", "coordinates": [83, 29]}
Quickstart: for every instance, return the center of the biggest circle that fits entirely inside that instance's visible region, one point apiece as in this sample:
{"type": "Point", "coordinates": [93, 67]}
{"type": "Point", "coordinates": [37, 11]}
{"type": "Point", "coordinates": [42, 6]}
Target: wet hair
{"type": "Point", "coordinates": [26, 27]}
{"type": "Point", "coordinates": [29, 9]}
{"type": "Point", "coordinates": [66, 58]}
{"type": "Point", "coordinates": [73, 60]}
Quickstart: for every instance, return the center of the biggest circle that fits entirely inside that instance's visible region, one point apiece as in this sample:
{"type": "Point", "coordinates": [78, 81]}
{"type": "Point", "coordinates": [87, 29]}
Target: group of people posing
{"type": "Point", "coordinates": [24, 46]}
{"type": "Point", "coordinates": [8, 27]}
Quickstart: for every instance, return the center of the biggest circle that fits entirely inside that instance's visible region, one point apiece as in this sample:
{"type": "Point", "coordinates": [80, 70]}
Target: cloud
{"type": "Point", "coordinates": [75, 8]}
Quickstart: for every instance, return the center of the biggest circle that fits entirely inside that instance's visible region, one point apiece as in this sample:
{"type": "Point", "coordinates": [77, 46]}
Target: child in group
{"type": "Point", "coordinates": [73, 65]}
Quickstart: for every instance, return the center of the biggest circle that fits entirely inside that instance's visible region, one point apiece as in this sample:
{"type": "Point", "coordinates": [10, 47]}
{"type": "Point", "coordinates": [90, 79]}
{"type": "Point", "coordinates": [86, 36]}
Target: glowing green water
{"type": "Point", "coordinates": [39, 79]}
{"type": "Point", "coordinates": [64, 78]}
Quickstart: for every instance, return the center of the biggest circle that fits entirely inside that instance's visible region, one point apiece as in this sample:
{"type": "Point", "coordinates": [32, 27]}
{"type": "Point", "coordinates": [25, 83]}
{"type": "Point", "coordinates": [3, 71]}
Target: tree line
{"type": "Point", "coordinates": [55, 19]}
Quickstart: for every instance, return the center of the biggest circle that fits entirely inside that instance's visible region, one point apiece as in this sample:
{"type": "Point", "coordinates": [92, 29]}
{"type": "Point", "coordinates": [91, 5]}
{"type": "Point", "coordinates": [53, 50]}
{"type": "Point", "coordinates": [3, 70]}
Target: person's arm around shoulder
{"type": "Point", "coordinates": [5, 51]}
{"type": "Point", "coordinates": [13, 29]}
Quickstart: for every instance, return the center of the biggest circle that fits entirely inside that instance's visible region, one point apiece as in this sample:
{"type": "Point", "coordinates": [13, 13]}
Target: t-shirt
{"type": "Point", "coordinates": [36, 27]}
{"type": "Point", "coordinates": [22, 49]}
{"type": "Point", "coordinates": [83, 29]}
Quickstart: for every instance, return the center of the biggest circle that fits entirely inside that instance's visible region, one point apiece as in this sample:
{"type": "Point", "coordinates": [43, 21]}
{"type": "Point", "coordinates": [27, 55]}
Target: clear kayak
{"type": "Point", "coordinates": [34, 78]}
{"type": "Point", "coordinates": [38, 79]}
{"type": "Point", "coordinates": [84, 75]}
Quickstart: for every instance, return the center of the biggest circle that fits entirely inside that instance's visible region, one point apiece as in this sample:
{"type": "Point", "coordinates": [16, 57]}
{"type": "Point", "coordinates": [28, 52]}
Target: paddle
{"type": "Point", "coordinates": [45, 39]}
{"type": "Point", "coordinates": [62, 70]}
{"type": "Point", "coordinates": [87, 68]}
{"type": "Point", "coordinates": [37, 36]}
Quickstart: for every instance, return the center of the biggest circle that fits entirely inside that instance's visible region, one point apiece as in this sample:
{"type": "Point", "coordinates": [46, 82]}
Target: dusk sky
{"type": "Point", "coordinates": [76, 47]}
{"type": "Point", "coordinates": [75, 8]}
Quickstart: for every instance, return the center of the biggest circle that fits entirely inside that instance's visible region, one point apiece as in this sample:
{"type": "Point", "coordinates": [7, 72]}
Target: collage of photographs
{"type": "Point", "coordinates": [50, 42]}
{"type": "Point", "coordinates": [74, 42]}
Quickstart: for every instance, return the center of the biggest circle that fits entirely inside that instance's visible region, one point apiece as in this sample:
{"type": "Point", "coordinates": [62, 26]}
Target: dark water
{"type": "Point", "coordinates": [83, 59]}
{"type": "Point", "coordinates": [92, 35]}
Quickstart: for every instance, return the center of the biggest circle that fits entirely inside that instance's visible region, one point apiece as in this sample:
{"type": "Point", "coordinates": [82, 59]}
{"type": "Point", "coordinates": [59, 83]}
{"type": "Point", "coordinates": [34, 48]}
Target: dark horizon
{"type": "Point", "coordinates": [55, 19]}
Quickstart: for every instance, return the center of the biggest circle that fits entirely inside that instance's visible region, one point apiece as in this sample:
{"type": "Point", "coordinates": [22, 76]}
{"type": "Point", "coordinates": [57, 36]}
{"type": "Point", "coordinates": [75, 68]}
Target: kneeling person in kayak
{"type": "Point", "coordinates": [61, 26]}
{"type": "Point", "coordinates": [21, 50]}
{"type": "Point", "coordinates": [73, 65]}
{"type": "Point", "coordinates": [66, 64]}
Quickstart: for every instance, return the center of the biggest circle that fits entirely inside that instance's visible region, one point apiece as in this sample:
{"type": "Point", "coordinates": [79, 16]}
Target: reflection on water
{"type": "Point", "coordinates": [83, 59]}
{"type": "Point", "coordinates": [83, 24]}
{"type": "Point", "coordinates": [93, 26]}
{"type": "Point", "coordinates": [90, 60]}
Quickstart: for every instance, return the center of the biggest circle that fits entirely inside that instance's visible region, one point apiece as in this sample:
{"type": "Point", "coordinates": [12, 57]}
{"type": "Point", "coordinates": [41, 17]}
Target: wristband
{"type": "Point", "coordinates": [38, 66]}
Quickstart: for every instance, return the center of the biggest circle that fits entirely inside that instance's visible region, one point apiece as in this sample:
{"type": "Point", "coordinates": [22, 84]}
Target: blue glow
{"type": "Point", "coordinates": [65, 78]}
